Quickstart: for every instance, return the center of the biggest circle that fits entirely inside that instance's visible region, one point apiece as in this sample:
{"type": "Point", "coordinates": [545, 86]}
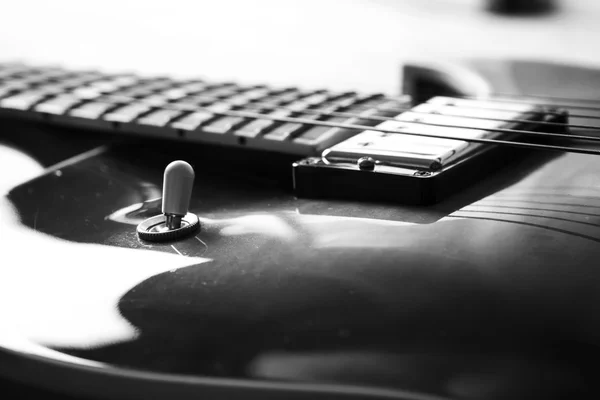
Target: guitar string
{"type": "Point", "coordinates": [420, 122]}
{"type": "Point", "coordinates": [521, 101]}
{"type": "Point", "coordinates": [3, 66]}
{"type": "Point", "coordinates": [485, 107]}
{"type": "Point", "coordinates": [212, 86]}
{"type": "Point", "coordinates": [390, 98]}
{"type": "Point", "coordinates": [543, 97]}
{"type": "Point", "coordinates": [23, 68]}
{"type": "Point", "coordinates": [517, 96]}
{"type": "Point", "coordinates": [433, 112]}
{"type": "Point", "coordinates": [500, 130]}
{"type": "Point", "coordinates": [551, 217]}
{"type": "Point", "coordinates": [545, 123]}
{"type": "Point", "coordinates": [549, 112]}
{"type": "Point", "coordinates": [306, 121]}
{"type": "Point", "coordinates": [451, 104]}
{"type": "Point", "coordinates": [328, 112]}
{"type": "Point", "coordinates": [547, 227]}
{"type": "Point", "coordinates": [383, 119]}
{"type": "Point", "coordinates": [482, 203]}
{"type": "Point", "coordinates": [506, 200]}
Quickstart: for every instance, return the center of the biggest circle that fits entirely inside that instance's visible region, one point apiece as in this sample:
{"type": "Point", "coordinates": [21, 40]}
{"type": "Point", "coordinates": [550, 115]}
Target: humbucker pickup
{"type": "Point", "coordinates": [400, 160]}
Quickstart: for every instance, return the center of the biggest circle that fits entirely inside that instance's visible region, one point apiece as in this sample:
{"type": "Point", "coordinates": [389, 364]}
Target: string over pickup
{"type": "Point", "coordinates": [424, 154]}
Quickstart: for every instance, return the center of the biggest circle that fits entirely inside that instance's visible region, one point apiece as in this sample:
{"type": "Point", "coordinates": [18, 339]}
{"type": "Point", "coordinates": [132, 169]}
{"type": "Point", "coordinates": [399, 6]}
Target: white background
{"type": "Point", "coordinates": [354, 44]}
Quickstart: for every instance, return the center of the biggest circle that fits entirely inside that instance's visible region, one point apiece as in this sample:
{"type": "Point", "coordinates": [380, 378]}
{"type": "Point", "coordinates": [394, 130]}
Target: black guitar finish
{"type": "Point", "coordinates": [489, 294]}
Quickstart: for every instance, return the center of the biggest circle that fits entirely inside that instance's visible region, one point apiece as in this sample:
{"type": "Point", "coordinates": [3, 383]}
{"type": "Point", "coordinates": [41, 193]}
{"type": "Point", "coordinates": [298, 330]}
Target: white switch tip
{"type": "Point", "coordinates": [178, 182]}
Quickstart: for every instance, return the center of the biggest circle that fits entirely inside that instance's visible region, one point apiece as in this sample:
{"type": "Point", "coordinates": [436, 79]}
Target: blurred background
{"type": "Point", "coordinates": [350, 44]}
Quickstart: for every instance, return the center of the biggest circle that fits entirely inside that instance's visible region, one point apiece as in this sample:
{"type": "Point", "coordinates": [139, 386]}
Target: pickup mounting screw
{"type": "Point", "coordinates": [366, 163]}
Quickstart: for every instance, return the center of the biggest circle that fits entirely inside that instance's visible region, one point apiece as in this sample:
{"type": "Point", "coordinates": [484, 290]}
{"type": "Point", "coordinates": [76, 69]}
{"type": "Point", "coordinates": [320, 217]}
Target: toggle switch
{"type": "Point", "coordinates": [175, 222]}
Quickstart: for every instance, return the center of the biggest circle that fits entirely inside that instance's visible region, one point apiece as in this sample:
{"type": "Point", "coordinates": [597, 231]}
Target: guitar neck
{"type": "Point", "coordinates": [187, 110]}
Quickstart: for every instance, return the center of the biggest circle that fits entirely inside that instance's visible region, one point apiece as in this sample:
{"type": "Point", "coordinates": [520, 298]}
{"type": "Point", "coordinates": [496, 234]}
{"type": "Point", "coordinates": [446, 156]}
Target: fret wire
{"type": "Point", "coordinates": [527, 102]}
{"type": "Point", "coordinates": [500, 130]}
{"type": "Point", "coordinates": [253, 115]}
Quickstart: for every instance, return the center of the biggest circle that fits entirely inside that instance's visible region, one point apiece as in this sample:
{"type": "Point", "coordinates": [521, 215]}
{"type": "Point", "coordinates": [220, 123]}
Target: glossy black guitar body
{"type": "Point", "coordinates": [492, 293]}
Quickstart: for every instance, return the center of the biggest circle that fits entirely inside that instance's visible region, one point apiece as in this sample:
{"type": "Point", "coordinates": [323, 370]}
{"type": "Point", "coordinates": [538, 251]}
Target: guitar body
{"type": "Point", "coordinates": [492, 293]}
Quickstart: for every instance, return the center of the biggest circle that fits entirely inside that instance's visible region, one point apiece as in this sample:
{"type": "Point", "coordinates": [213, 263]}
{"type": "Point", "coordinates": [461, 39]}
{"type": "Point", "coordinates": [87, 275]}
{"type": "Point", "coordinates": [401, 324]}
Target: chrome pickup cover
{"type": "Point", "coordinates": [411, 169]}
{"type": "Point", "coordinates": [460, 117]}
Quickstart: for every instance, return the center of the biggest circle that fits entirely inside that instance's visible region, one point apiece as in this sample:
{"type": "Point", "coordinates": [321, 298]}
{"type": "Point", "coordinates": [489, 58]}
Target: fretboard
{"type": "Point", "coordinates": [188, 110]}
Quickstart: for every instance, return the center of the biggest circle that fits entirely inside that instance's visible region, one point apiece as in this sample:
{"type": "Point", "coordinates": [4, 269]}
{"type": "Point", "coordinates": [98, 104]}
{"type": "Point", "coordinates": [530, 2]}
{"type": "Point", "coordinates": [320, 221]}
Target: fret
{"type": "Point", "coordinates": [318, 134]}
{"type": "Point", "coordinates": [87, 92]}
{"type": "Point", "coordinates": [11, 88]}
{"type": "Point", "coordinates": [24, 101]}
{"type": "Point", "coordinates": [127, 113]}
{"type": "Point", "coordinates": [255, 94]}
{"type": "Point", "coordinates": [219, 106]}
{"type": "Point", "coordinates": [340, 103]}
{"type": "Point", "coordinates": [193, 121]}
{"type": "Point", "coordinates": [92, 110]}
{"type": "Point", "coordinates": [245, 97]}
{"type": "Point", "coordinates": [259, 126]}
{"type": "Point", "coordinates": [290, 129]}
{"type": "Point", "coordinates": [315, 99]}
{"type": "Point", "coordinates": [159, 117]}
{"type": "Point", "coordinates": [197, 100]}
{"type": "Point", "coordinates": [156, 99]}
{"type": "Point", "coordinates": [124, 80]}
{"type": "Point", "coordinates": [111, 85]}
{"type": "Point", "coordinates": [174, 93]}
{"type": "Point", "coordinates": [224, 124]}
{"type": "Point", "coordinates": [236, 100]}
{"type": "Point", "coordinates": [285, 97]}
{"type": "Point", "coordinates": [58, 105]}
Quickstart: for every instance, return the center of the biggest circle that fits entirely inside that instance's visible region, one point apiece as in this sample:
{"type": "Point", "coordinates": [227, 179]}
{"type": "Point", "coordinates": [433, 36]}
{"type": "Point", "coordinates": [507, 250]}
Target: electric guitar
{"type": "Point", "coordinates": [458, 260]}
